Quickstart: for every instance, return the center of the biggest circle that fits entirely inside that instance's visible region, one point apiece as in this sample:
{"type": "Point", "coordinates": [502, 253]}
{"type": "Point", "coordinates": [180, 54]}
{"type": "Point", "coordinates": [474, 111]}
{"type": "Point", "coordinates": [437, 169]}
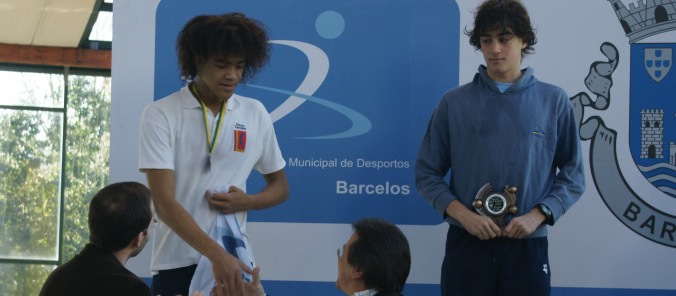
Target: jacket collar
{"type": "Point", "coordinates": [527, 79]}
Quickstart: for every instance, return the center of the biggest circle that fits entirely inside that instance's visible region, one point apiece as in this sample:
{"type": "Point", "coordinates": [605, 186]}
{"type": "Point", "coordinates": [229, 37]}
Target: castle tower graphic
{"type": "Point", "coordinates": [652, 133]}
{"type": "Point", "coordinates": [649, 18]}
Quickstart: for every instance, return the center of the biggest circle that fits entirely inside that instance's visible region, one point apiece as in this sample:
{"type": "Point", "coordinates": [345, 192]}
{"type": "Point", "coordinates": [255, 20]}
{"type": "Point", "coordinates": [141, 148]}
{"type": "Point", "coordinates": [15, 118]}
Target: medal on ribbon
{"type": "Point", "coordinates": [210, 144]}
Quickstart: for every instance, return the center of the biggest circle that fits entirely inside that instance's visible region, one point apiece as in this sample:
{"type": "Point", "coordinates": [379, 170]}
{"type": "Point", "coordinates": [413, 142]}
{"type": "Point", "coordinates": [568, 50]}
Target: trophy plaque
{"type": "Point", "coordinates": [495, 205]}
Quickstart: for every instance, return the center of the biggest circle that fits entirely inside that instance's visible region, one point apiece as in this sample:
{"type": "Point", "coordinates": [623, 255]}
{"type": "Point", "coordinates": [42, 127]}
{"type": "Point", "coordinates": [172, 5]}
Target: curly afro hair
{"type": "Point", "coordinates": [233, 34]}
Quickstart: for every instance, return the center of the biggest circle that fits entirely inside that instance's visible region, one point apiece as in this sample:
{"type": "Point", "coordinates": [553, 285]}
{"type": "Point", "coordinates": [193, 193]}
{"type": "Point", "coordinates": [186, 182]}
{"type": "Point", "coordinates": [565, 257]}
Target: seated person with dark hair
{"type": "Point", "coordinates": [375, 261]}
{"type": "Point", "coordinates": [120, 224]}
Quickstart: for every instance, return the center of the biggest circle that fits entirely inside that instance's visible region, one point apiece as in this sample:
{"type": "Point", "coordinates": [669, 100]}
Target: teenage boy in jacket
{"type": "Point", "coordinates": [507, 129]}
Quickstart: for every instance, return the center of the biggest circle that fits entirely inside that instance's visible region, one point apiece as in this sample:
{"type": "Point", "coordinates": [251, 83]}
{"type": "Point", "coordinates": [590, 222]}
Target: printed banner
{"type": "Point", "coordinates": [350, 87]}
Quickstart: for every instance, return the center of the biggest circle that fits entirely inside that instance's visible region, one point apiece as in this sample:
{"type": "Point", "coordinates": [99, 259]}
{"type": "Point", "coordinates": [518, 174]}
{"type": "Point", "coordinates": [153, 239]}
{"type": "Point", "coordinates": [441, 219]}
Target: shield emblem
{"type": "Point", "coordinates": [657, 62]}
{"type": "Point", "coordinates": [652, 107]}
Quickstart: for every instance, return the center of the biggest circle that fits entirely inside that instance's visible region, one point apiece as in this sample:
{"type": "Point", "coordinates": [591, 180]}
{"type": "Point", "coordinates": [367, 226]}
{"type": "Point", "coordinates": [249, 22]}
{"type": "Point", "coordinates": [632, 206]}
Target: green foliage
{"type": "Point", "coordinates": [30, 163]}
{"type": "Point", "coordinates": [29, 178]}
{"type": "Point", "coordinates": [87, 156]}
{"type": "Point", "coordinates": [22, 279]}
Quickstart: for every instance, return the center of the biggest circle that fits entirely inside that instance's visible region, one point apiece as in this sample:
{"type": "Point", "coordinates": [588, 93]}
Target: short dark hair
{"type": "Point", "coordinates": [381, 253]}
{"type": "Point", "coordinates": [506, 15]}
{"type": "Point", "coordinates": [233, 34]}
{"type": "Point", "coordinates": [118, 213]}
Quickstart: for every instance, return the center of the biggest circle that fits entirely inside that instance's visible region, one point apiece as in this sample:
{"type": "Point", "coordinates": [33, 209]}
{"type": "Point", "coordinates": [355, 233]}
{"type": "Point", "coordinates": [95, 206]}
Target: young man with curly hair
{"type": "Point", "coordinates": [204, 137]}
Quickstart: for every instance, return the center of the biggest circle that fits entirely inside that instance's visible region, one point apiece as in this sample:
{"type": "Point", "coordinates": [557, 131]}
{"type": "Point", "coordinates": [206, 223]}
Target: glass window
{"type": "Point", "coordinates": [87, 155]}
{"type": "Point", "coordinates": [54, 158]}
{"type": "Point", "coordinates": [30, 165]}
{"type": "Point", "coordinates": [23, 279]}
{"type": "Point", "coordinates": [103, 27]}
{"type": "Point", "coordinates": [31, 89]}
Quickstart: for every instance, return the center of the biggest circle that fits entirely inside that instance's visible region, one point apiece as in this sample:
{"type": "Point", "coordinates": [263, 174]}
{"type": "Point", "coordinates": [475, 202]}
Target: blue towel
{"type": "Point", "coordinates": [227, 233]}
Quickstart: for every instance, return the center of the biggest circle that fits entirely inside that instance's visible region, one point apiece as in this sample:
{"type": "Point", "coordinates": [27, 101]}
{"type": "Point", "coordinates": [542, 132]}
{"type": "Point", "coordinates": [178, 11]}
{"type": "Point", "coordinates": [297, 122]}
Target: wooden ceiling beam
{"type": "Point", "coordinates": [55, 56]}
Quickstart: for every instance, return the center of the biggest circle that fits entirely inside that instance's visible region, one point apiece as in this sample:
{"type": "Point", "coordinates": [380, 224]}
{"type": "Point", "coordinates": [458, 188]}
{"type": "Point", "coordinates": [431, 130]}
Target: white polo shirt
{"type": "Point", "coordinates": [173, 137]}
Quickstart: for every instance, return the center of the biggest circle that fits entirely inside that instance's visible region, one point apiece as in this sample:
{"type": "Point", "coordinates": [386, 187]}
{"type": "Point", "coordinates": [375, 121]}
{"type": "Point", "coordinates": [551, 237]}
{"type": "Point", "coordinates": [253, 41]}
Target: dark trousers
{"type": "Point", "coordinates": [496, 267]}
{"type": "Point", "coordinates": [173, 281]}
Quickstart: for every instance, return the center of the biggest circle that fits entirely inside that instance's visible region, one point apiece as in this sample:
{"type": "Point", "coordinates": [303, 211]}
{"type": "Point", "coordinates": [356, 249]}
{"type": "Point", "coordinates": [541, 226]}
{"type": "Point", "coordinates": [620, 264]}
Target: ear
{"type": "Point", "coordinates": [356, 273]}
{"type": "Point", "coordinates": [138, 240]}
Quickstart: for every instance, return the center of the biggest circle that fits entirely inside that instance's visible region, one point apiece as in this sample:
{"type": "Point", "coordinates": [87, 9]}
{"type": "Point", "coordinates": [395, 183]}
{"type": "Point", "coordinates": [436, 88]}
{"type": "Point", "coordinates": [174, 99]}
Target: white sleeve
{"type": "Point", "coordinates": [155, 144]}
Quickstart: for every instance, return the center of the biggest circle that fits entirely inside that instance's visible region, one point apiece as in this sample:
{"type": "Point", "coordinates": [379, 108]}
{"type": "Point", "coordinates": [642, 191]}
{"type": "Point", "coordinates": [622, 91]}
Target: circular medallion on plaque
{"type": "Point", "coordinates": [495, 205]}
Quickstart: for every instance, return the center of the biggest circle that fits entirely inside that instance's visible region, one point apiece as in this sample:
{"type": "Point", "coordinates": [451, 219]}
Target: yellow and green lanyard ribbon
{"type": "Point", "coordinates": [210, 144]}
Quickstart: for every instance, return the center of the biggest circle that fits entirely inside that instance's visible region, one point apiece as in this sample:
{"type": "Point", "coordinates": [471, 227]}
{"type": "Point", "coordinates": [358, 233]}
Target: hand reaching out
{"type": "Point", "coordinates": [228, 274]}
{"type": "Point", "coordinates": [254, 288]}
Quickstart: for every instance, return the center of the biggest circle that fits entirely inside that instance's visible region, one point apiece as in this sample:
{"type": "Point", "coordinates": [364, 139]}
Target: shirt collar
{"type": "Point", "coordinates": [189, 102]}
{"type": "Point", "coordinates": [370, 292]}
